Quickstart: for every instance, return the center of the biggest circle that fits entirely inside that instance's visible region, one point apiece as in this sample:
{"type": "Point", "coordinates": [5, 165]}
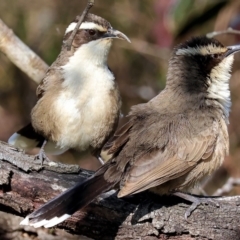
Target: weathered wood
{"type": "Point", "coordinates": [25, 185]}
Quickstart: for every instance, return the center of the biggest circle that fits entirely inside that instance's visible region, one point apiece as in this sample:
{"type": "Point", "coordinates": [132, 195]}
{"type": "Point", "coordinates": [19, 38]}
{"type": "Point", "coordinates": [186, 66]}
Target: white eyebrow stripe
{"type": "Point", "coordinates": [85, 25]}
{"type": "Point", "coordinates": [210, 49]}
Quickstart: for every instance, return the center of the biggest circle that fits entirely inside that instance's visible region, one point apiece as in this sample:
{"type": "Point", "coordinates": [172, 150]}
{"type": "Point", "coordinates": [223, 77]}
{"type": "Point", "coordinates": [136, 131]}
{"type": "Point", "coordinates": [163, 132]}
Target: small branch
{"type": "Point", "coordinates": [227, 187]}
{"type": "Point", "coordinates": [21, 55]}
{"type": "Point", "coordinates": [68, 44]}
{"type": "Point", "coordinates": [228, 31]}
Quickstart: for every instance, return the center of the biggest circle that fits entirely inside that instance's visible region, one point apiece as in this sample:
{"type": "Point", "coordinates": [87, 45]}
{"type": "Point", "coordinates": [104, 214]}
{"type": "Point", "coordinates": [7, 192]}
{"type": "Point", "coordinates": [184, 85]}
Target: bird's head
{"type": "Point", "coordinates": [200, 63]}
{"type": "Point", "coordinates": [94, 37]}
{"type": "Point", "coordinates": [200, 68]}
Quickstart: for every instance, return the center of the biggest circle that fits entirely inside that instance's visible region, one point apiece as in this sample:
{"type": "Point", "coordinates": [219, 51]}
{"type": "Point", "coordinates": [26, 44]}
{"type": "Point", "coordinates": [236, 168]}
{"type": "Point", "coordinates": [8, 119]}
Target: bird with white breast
{"type": "Point", "coordinates": [78, 103]}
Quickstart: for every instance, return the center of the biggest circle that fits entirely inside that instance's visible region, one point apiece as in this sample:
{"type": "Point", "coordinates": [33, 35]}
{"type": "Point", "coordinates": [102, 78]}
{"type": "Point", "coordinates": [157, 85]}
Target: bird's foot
{"type": "Point", "coordinates": [42, 156]}
{"type": "Point", "coordinates": [196, 201]}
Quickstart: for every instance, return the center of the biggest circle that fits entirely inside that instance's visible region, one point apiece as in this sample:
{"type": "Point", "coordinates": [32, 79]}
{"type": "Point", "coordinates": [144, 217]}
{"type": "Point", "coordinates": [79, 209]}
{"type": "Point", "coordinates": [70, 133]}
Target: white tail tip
{"type": "Point", "coordinates": [45, 223]}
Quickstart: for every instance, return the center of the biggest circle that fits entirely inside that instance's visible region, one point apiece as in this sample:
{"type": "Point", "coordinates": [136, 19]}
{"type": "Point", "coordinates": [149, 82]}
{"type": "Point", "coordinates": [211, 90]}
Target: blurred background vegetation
{"type": "Point", "coordinates": [154, 26]}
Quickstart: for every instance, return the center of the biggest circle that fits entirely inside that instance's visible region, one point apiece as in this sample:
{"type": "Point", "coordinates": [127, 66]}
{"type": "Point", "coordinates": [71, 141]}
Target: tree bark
{"type": "Point", "coordinates": [25, 185]}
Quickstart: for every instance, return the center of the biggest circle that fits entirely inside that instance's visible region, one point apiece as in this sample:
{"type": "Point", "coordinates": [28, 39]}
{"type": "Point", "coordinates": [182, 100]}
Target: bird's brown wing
{"type": "Point", "coordinates": [159, 166]}
{"type": "Point", "coordinates": [120, 137]}
{"type": "Point", "coordinates": [51, 80]}
{"type": "Point", "coordinates": [42, 85]}
{"type": "Point", "coordinates": [41, 89]}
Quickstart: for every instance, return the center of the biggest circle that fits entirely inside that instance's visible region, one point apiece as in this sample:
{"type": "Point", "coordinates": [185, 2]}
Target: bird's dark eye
{"type": "Point", "coordinates": [215, 55]}
{"type": "Point", "coordinates": [92, 32]}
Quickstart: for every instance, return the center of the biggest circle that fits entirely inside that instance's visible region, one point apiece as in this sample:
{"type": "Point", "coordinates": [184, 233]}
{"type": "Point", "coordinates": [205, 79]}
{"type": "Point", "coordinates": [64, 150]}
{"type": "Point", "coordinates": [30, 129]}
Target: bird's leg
{"type": "Point", "coordinates": [100, 159]}
{"type": "Point", "coordinates": [97, 153]}
{"type": "Point", "coordinates": [196, 201]}
{"type": "Point", "coordinates": [42, 155]}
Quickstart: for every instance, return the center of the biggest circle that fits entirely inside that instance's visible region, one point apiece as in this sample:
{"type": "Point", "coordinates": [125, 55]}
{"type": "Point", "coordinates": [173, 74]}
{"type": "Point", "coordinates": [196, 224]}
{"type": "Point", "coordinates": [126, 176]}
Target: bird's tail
{"type": "Point", "coordinates": [64, 205]}
{"type": "Point", "coordinates": [27, 138]}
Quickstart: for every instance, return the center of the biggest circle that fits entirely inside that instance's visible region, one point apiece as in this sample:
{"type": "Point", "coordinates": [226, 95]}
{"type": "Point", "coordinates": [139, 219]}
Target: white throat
{"type": "Point", "coordinates": [219, 84]}
{"type": "Point", "coordinates": [93, 53]}
{"type": "Point", "coordinates": [88, 65]}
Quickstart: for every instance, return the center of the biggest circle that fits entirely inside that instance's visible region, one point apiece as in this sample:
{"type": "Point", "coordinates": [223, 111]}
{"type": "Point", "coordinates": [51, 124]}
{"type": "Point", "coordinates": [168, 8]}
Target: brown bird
{"type": "Point", "coordinates": [78, 100]}
{"type": "Point", "coordinates": [168, 144]}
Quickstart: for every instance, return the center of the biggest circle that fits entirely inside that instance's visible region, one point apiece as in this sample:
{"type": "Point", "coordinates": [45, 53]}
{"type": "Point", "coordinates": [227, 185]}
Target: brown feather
{"type": "Point", "coordinates": [120, 137]}
{"type": "Point", "coordinates": [159, 167]}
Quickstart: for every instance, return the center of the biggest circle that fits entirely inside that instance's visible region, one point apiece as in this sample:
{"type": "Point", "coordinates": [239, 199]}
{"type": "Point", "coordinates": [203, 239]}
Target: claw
{"type": "Point", "coordinates": [42, 155]}
{"type": "Point", "coordinates": [196, 201]}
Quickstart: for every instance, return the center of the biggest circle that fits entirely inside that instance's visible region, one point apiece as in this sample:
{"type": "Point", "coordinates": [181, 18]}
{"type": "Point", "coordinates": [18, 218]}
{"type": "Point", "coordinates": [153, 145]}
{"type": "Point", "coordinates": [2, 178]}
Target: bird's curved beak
{"type": "Point", "coordinates": [112, 33]}
{"type": "Point", "coordinates": [231, 50]}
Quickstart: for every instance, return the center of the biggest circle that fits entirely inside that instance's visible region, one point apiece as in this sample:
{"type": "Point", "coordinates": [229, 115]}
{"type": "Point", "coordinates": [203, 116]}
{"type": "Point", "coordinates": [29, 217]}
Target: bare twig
{"type": "Point", "coordinates": [228, 31]}
{"type": "Point", "coordinates": [82, 16]}
{"type": "Point", "coordinates": [20, 54]}
{"type": "Point", "coordinates": [227, 187]}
